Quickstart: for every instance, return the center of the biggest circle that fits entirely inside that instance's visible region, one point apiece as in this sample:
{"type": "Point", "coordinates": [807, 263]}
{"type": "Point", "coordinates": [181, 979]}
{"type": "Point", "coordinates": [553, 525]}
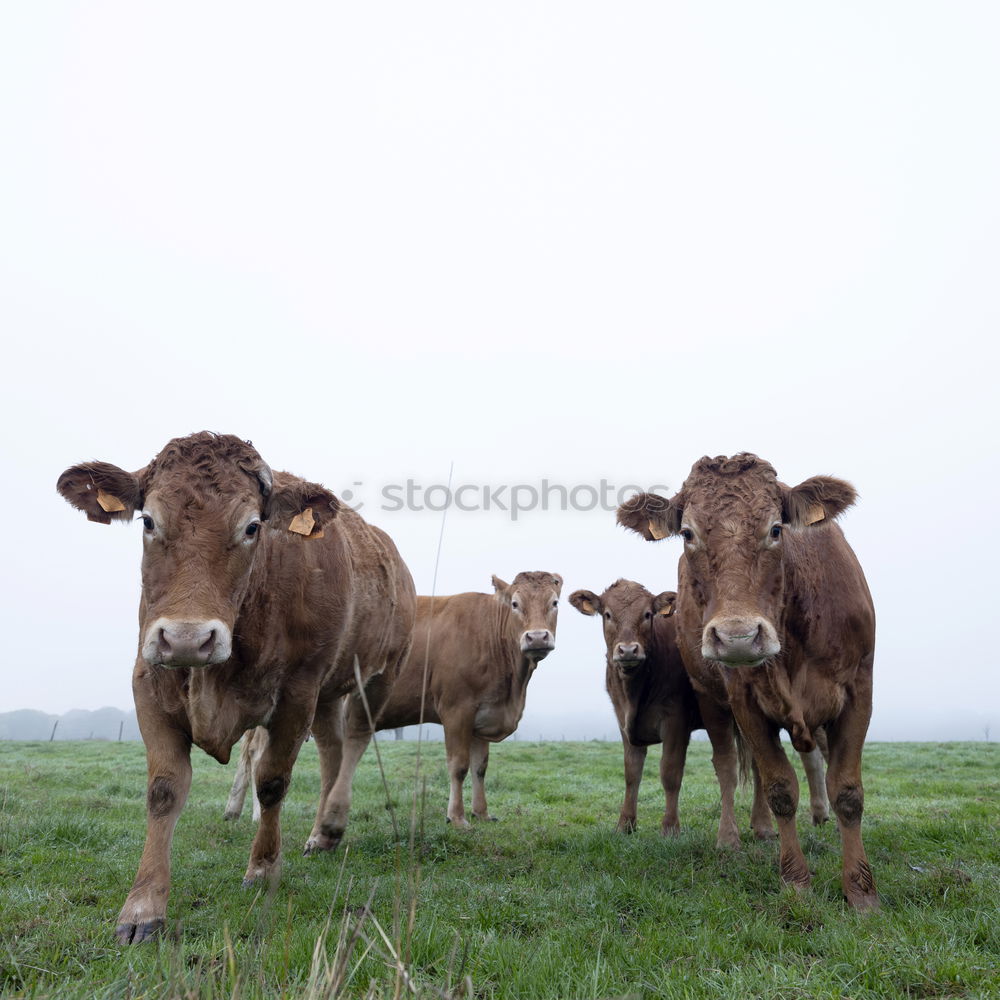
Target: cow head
{"type": "Point", "coordinates": [732, 514]}
{"type": "Point", "coordinates": [204, 502]}
{"type": "Point", "coordinates": [628, 611]}
{"type": "Point", "coordinates": [533, 602]}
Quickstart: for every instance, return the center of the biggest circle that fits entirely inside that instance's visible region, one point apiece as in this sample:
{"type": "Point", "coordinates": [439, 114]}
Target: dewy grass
{"type": "Point", "coordinates": [549, 902]}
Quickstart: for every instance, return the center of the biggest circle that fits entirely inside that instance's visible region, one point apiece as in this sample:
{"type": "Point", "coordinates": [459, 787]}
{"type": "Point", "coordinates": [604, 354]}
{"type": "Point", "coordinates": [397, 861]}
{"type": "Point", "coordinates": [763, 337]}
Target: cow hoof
{"type": "Point", "coordinates": [820, 817]}
{"type": "Point", "coordinates": [765, 833]}
{"type": "Point", "coordinates": [459, 824]}
{"type": "Point", "coordinates": [672, 830]}
{"type": "Point", "coordinates": [322, 842]}
{"type": "Point", "coordinates": [230, 816]}
{"type": "Point", "coordinates": [865, 903]}
{"type": "Point", "coordinates": [794, 872]}
{"type": "Point", "coordinates": [135, 933]}
{"type": "Point", "coordinates": [262, 872]}
{"type": "Point", "coordinates": [485, 819]}
{"type": "Point", "coordinates": [728, 839]}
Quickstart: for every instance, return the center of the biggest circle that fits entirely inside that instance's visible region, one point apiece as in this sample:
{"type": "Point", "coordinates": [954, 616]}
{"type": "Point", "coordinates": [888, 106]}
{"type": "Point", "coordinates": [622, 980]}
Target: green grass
{"type": "Point", "coordinates": [549, 902]}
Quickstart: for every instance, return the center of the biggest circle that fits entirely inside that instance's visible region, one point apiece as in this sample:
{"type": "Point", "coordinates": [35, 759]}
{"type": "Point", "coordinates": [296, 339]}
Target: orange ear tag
{"type": "Point", "coordinates": [302, 524]}
{"type": "Point", "coordinates": [656, 531]}
{"type": "Point", "coordinates": [814, 514]}
{"type": "Point", "coordinates": [109, 504]}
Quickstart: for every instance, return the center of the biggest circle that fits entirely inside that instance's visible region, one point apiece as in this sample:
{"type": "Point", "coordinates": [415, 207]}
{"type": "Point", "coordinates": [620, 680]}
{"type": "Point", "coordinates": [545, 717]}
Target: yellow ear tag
{"type": "Point", "coordinates": [814, 514]}
{"type": "Point", "coordinates": [656, 531]}
{"type": "Point", "coordinates": [302, 524]}
{"type": "Point", "coordinates": [109, 504]}
{"type": "Point", "coordinates": [667, 611]}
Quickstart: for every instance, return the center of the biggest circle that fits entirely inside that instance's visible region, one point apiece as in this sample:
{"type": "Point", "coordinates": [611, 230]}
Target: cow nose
{"type": "Point", "coordinates": [627, 651]}
{"type": "Point", "coordinates": [175, 642]}
{"type": "Point", "coordinates": [739, 641]}
{"type": "Point", "coordinates": [185, 643]}
{"type": "Point", "coordinates": [537, 639]}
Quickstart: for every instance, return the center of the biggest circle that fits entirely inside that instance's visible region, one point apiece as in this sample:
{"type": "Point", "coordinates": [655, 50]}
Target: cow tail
{"type": "Point", "coordinates": [744, 757]}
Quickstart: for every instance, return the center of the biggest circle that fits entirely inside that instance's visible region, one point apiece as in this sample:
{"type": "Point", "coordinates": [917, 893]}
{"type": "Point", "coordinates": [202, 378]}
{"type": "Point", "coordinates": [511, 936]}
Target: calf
{"type": "Point", "coordinates": [775, 619]}
{"type": "Point", "coordinates": [650, 692]}
{"type": "Point", "coordinates": [469, 667]}
{"type": "Point", "coordinates": [262, 601]}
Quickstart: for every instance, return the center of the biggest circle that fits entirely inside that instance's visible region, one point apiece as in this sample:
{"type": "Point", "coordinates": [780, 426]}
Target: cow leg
{"type": "Point", "coordinates": [847, 795]}
{"type": "Point", "coordinates": [458, 730]}
{"type": "Point", "coordinates": [328, 730]}
{"type": "Point", "coordinates": [168, 766]}
{"type": "Point", "coordinates": [782, 787]}
{"type": "Point", "coordinates": [238, 793]}
{"type": "Point", "coordinates": [760, 813]}
{"type": "Point", "coordinates": [635, 760]}
{"type": "Point", "coordinates": [479, 760]}
{"type": "Point", "coordinates": [719, 724]}
{"type": "Point", "coordinates": [676, 736]}
{"type": "Point", "coordinates": [286, 731]}
{"type": "Point", "coordinates": [819, 805]}
{"type": "Point", "coordinates": [253, 747]}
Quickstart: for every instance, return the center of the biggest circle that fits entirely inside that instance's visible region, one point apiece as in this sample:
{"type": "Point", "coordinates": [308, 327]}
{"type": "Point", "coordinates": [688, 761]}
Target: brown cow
{"type": "Point", "coordinates": [775, 619]}
{"type": "Point", "coordinates": [261, 596]}
{"type": "Point", "coordinates": [468, 669]}
{"type": "Point", "coordinates": [654, 702]}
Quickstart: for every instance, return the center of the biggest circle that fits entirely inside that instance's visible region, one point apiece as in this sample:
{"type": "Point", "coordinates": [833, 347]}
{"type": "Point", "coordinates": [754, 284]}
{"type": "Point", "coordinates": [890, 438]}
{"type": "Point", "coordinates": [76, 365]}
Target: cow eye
{"type": "Point", "coordinates": [251, 529]}
{"type": "Point", "coordinates": [648, 615]}
{"type": "Point", "coordinates": [147, 522]}
{"type": "Point", "coordinates": [687, 534]}
{"type": "Point", "coordinates": [776, 531]}
{"type": "Point", "coordinates": [607, 615]}
{"type": "Point", "coordinates": [514, 605]}
{"type": "Point", "coordinates": [555, 604]}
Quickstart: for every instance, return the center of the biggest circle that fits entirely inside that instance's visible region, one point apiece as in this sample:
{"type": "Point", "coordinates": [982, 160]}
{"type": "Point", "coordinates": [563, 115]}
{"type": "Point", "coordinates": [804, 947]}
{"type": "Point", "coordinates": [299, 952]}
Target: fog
{"type": "Point", "coordinates": [567, 242]}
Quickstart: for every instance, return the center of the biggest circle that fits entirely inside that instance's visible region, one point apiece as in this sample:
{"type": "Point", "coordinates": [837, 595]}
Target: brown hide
{"type": "Point", "coordinates": [468, 669]}
{"type": "Point", "coordinates": [648, 686]}
{"type": "Point", "coordinates": [775, 619]}
{"type": "Point", "coordinates": [243, 622]}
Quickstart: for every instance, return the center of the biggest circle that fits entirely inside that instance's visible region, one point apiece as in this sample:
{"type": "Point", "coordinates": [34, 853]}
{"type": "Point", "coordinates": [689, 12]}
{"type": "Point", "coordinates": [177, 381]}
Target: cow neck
{"type": "Point", "coordinates": [516, 665]}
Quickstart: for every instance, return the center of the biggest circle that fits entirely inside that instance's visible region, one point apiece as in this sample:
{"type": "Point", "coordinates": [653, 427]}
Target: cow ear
{"type": "Point", "coordinates": [502, 589]}
{"type": "Point", "coordinates": [102, 491]}
{"type": "Point", "coordinates": [816, 501]}
{"type": "Point", "coordinates": [298, 506]}
{"type": "Point", "coordinates": [652, 516]}
{"type": "Point", "coordinates": [665, 604]}
{"type": "Point", "coordinates": [586, 602]}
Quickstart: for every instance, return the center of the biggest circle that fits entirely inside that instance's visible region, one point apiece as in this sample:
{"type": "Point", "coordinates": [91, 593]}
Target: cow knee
{"type": "Point", "coordinates": [161, 798]}
{"type": "Point", "coordinates": [849, 805]}
{"type": "Point", "coordinates": [272, 791]}
{"type": "Point", "coordinates": [459, 773]}
{"type": "Point", "coordinates": [781, 800]}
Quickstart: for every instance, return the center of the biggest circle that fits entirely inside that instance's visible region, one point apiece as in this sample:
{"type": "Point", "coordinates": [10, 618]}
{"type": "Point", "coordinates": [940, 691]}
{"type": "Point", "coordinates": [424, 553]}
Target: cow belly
{"type": "Point", "coordinates": [496, 722]}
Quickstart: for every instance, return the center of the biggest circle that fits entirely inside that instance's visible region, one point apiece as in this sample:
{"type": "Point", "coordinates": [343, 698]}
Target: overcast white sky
{"type": "Point", "coordinates": [570, 241]}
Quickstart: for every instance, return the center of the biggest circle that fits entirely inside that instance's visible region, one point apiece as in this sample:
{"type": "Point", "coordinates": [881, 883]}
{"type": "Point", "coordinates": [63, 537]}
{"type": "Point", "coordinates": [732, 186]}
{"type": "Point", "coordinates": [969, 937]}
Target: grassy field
{"type": "Point", "coordinates": [549, 902]}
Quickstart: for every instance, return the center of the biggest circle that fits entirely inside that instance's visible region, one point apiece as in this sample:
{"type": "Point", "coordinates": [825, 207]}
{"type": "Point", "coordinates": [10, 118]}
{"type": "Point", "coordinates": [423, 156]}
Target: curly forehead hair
{"type": "Point", "coordinates": [535, 578]}
{"type": "Point", "coordinates": [206, 457]}
{"type": "Point", "coordinates": [721, 465]}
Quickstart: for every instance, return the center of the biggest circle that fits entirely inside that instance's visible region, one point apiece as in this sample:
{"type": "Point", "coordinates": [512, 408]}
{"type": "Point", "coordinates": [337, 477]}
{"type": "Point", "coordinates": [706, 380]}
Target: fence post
{"type": "Point", "coordinates": [54, 725]}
